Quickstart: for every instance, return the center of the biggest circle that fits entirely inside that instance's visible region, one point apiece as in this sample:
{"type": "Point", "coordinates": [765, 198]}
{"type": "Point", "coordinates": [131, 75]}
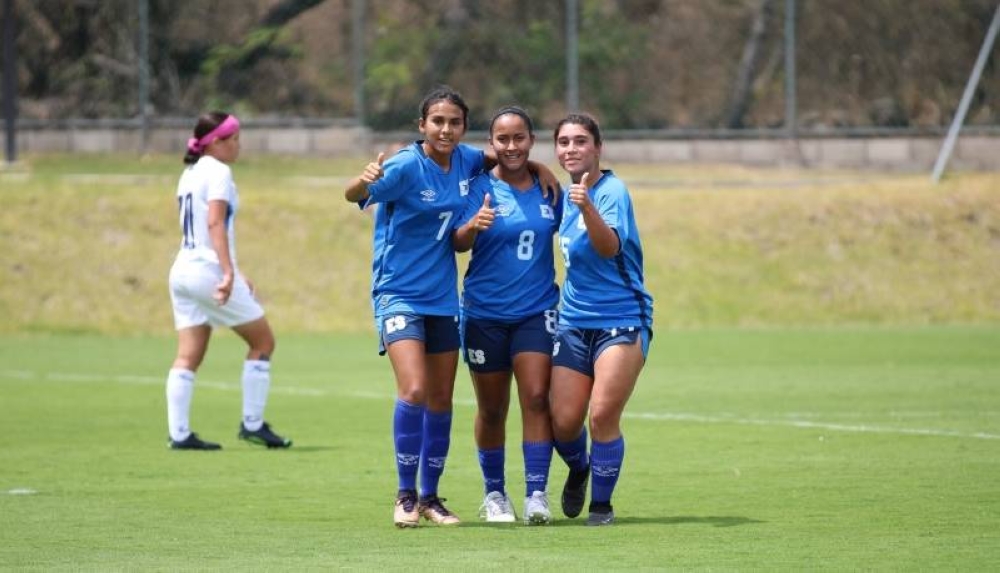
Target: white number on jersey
{"type": "Point", "coordinates": [445, 219]}
{"type": "Point", "coordinates": [526, 245]}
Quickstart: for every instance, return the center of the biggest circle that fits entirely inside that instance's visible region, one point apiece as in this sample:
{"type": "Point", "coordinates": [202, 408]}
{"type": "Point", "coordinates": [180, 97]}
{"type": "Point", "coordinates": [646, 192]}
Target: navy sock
{"type": "Point", "coordinates": [537, 459]}
{"type": "Point", "coordinates": [605, 465]}
{"type": "Point", "coordinates": [492, 463]}
{"type": "Point", "coordinates": [407, 434]}
{"type": "Point", "coordinates": [574, 453]}
{"type": "Point", "coordinates": [437, 439]}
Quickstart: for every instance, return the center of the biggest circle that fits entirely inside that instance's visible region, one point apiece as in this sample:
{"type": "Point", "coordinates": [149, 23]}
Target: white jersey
{"type": "Point", "coordinates": [206, 180]}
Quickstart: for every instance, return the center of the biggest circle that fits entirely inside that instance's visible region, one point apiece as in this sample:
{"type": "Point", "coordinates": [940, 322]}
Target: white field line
{"type": "Point", "coordinates": [655, 416]}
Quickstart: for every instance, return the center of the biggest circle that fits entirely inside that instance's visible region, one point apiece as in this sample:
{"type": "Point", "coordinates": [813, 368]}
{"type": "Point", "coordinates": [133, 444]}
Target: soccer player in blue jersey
{"type": "Point", "coordinates": [421, 195]}
{"type": "Point", "coordinates": [605, 320]}
{"type": "Point", "coordinates": [509, 304]}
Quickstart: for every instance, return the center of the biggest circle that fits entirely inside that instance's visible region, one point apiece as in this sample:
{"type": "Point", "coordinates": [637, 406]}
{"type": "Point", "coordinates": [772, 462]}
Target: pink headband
{"type": "Point", "coordinates": [228, 127]}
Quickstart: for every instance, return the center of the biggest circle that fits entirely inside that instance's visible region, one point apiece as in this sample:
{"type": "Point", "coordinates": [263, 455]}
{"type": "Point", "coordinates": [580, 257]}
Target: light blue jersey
{"type": "Point", "coordinates": [413, 262]}
{"type": "Point", "coordinates": [600, 292]}
{"type": "Point", "coordinates": [511, 274]}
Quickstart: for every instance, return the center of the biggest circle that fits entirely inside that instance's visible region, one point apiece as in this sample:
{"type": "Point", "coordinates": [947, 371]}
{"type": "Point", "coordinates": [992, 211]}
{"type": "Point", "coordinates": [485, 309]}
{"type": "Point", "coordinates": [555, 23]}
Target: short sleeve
{"type": "Point", "coordinates": [392, 184]}
{"type": "Point", "coordinates": [220, 183]}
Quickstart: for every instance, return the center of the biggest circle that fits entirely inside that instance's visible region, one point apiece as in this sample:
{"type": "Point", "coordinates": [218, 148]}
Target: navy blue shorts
{"type": "Point", "coordinates": [490, 345]}
{"type": "Point", "coordinates": [439, 333]}
{"type": "Point", "coordinates": [579, 348]}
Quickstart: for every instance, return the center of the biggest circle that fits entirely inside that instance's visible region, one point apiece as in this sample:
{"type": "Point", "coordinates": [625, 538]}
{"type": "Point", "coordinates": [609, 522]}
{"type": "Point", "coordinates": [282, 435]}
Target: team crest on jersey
{"type": "Point", "coordinates": [428, 195]}
{"type": "Point", "coordinates": [463, 187]}
{"type": "Point", "coordinates": [547, 211]}
{"type": "Point", "coordinates": [504, 209]}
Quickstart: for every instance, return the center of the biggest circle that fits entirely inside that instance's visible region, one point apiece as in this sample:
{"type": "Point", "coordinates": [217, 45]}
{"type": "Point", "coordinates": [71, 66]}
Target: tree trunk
{"type": "Point", "coordinates": [742, 97]}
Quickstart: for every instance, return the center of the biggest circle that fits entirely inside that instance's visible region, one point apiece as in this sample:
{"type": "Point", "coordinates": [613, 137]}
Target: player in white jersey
{"type": "Point", "coordinates": [605, 320]}
{"type": "Point", "coordinates": [207, 289]}
{"type": "Point", "coordinates": [509, 314]}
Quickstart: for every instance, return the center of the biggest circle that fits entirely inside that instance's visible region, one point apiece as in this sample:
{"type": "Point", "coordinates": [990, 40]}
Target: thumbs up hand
{"type": "Point", "coordinates": [373, 171]}
{"type": "Point", "coordinates": [578, 194]}
{"type": "Point", "coordinates": [485, 216]}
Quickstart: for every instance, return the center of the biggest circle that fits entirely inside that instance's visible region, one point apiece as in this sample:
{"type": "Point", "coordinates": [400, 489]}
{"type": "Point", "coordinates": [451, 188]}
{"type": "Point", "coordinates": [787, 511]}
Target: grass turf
{"type": "Point", "coordinates": [747, 449]}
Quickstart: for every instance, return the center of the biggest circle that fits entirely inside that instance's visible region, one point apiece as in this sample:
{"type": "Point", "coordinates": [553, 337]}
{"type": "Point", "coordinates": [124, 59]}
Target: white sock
{"type": "Point", "coordinates": [180, 389]}
{"type": "Point", "coordinates": [256, 385]}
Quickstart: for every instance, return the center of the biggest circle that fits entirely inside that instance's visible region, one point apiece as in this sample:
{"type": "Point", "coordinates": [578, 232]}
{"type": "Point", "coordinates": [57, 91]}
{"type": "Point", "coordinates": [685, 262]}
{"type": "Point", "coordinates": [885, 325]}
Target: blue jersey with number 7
{"type": "Point", "coordinates": [420, 204]}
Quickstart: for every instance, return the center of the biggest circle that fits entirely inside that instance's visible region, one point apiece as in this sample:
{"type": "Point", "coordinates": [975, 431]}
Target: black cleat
{"type": "Point", "coordinates": [192, 442]}
{"type": "Point", "coordinates": [601, 514]}
{"type": "Point", "coordinates": [575, 491]}
{"type": "Point", "coordinates": [263, 437]}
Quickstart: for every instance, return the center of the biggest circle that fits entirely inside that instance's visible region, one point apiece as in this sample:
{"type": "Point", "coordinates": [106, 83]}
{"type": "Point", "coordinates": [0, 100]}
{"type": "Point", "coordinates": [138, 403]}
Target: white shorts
{"type": "Point", "coordinates": [192, 287]}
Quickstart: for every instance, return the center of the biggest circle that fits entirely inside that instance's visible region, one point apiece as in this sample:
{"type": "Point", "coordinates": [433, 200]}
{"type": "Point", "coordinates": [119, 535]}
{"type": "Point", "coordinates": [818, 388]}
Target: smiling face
{"type": "Point", "coordinates": [577, 151]}
{"type": "Point", "coordinates": [511, 141]}
{"type": "Point", "coordinates": [443, 128]}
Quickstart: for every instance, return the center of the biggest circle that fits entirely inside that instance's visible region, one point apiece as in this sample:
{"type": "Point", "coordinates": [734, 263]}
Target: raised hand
{"type": "Point", "coordinates": [578, 192]}
{"type": "Point", "coordinates": [485, 216]}
{"type": "Point", "coordinates": [373, 171]}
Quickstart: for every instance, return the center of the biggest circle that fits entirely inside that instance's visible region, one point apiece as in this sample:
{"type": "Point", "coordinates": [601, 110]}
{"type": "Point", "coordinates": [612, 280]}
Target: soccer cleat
{"type": "Point", "coordinates": [497, 508]}
{"type": "Point", "coordinates": [601, 514]}
{"type": "Point", "coordinates": [192, 442]}
{"type": "Point", "coordinates": [433, 509]}
{"type": "Point", "coordinates": [263, 437]}
{"type": "Point", "coordinates": [406, 514]}
{"type": "Point", "coordinates": [575, 491]}
{"type": "Point", "coordinates": [536, 509]}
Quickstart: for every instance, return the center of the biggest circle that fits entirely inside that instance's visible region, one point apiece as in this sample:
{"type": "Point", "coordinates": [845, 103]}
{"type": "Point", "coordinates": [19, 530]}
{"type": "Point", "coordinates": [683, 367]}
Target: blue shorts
{"type": "Point", "coordinates": [579, 348]}
{"type": "Point", "coordinates": [490, 345]}
{"type": "Point", "coordinates": [438, 333]}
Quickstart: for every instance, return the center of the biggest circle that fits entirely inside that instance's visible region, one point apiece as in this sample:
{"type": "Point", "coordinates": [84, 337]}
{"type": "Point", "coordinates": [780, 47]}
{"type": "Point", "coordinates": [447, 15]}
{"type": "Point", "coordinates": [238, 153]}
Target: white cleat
{"type": "Point", "coordinates": [497, 508]}
{"type": "Point", "coordinates": [536, 509]}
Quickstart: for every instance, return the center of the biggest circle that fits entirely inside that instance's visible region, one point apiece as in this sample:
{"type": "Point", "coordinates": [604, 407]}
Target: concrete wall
{"type": "Point", "coordinates": [973, 152]}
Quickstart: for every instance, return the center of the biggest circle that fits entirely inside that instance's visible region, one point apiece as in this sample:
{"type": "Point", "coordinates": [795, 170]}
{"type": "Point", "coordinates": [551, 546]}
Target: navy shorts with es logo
{"type": "Point", "coordinates": [579, 348]}
{"type": "Point", "coordinates": [438, 333]}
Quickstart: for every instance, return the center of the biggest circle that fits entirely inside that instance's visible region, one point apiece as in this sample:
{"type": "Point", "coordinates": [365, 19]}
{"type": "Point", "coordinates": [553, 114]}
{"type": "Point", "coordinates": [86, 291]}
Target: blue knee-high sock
{"type": "Point", "coordinates": [491, 462]}
{"type": "Point", "coordinates": [537, 459]}
{"type": "Point", "coordinates": [605, 465]}
{"type": "Point", "coordinates": [574, 453]}
{"type": "Point", "coordinates": [407, 434]}
{"type": "Point", "coordinates": [437, 439]}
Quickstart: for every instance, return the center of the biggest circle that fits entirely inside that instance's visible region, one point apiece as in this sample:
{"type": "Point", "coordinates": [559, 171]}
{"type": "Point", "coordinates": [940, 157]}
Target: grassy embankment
{"type": "Point", "coordinates": [87, 242]}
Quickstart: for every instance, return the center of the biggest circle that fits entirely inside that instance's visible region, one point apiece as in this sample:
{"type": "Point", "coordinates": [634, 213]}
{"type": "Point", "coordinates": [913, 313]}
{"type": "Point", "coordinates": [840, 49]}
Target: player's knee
{"type": "Point", "coordinates": [492, 416]}
{"type": "Point", "coordinates": [565, 429]}
{"type": "Point", "coordinates": [438, 401]}
{"type": "Point", "coordinates": [536, 402]}
{"type": "Point", "coordinates": [412, 394]}
{"type": "Point", "coordinates": [604, 422]}
{"type": "Point", "coordinates": [263, 348]}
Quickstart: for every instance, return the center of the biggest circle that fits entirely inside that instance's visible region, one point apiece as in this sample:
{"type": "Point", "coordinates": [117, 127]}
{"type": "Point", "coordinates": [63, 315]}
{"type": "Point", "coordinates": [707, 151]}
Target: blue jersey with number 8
{"type": "Point", "coordinates": [511, 274]}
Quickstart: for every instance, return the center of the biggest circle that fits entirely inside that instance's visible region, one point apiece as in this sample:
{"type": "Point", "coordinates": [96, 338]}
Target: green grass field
{"type": "Point", "coordinates": [822, 391]}
{"type": "Point", "coordinates": [773, 449]}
